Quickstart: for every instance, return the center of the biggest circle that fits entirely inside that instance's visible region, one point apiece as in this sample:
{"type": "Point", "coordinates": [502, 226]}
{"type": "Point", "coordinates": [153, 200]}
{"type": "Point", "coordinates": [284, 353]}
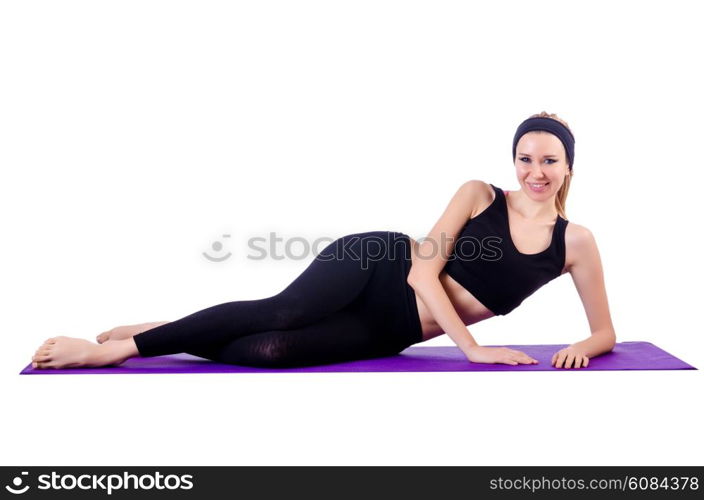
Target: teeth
{"type": "Point", "coordinates": [537, 185]}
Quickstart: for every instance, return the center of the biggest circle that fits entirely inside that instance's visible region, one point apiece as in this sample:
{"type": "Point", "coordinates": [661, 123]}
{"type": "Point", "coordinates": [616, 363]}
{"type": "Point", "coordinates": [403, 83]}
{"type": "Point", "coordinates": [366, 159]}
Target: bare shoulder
{"type": "Point", "coordinates": [480, 195]}
{"type": "Point", "coordinates": [579, 242]}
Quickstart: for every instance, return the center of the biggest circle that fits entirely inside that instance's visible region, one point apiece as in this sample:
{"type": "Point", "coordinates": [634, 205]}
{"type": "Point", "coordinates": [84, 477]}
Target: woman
{"type": "Point", "coordinates": [358, 299]}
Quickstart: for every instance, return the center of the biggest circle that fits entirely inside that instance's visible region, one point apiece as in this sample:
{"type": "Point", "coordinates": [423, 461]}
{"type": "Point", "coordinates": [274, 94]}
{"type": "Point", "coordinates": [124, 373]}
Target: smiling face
{"type": "Point", "coordinates": [541, 164]}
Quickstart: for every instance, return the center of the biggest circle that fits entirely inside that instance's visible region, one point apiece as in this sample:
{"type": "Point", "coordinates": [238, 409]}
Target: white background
{"type": "Point", "coordinates": [134, 134]}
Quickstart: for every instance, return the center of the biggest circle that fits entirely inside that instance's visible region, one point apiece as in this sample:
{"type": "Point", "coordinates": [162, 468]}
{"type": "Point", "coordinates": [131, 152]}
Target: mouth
{"type": "Point", "coordinates": [538, 186]}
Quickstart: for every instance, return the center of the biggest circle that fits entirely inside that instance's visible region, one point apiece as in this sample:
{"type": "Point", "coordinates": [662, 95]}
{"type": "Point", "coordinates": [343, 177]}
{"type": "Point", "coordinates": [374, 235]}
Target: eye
{"type": "Point", "coordinates": [548, 159]}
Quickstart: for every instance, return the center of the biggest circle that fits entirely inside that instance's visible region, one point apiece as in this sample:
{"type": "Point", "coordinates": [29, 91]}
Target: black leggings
{"type": "Point", "coordinates": [352, 302]}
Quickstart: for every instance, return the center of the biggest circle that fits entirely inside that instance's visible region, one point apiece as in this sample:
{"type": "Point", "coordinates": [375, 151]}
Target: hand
{"type": "Point", "coordinates": [567, 356]}
{"type": "Point", "coordinates": [481, 354]}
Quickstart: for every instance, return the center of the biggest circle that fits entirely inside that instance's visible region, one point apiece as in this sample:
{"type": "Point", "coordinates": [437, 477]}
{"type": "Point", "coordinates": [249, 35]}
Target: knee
{"type": "Point", "coordinates": [273, 353]}
{"type": "Point", "coordinates": [288, 313]}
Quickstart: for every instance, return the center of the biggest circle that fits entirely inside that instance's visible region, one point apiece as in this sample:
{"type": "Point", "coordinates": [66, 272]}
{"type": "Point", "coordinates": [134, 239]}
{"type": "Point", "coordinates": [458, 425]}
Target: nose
{"type": "Point", "coordinates": [536, 172]}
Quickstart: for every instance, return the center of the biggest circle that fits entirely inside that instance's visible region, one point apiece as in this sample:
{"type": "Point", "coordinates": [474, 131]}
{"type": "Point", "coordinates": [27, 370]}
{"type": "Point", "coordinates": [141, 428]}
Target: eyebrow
{"type": "Point", "coordinates": [526, 154]}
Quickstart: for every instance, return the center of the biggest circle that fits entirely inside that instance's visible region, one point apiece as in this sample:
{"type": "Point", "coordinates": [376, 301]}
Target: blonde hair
{"type": "Point", "coordinates": [561, 198]}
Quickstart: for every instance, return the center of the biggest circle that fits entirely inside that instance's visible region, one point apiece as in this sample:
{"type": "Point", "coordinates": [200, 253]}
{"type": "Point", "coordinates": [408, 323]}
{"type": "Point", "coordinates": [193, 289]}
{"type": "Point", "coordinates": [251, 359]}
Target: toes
{"type": "Point", "coordinates": [44, 365]}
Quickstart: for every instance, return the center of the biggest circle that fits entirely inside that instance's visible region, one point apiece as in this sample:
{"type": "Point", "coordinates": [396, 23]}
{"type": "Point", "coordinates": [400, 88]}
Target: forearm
{"type": "Point", "coordinates": [438, 303]}
{"type": "Point", "coordinates": [598, 343]}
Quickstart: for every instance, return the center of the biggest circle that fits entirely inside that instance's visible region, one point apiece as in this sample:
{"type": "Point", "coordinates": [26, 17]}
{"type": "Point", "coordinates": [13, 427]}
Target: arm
{"type": "Point", "coordinates": [588, 277]}
{"type": "Point", "coordinates": [425, 272]}
{"type": "Point", "coordinates": [433, 253]}
{"type": "Point", "coordinates": [436, 300]}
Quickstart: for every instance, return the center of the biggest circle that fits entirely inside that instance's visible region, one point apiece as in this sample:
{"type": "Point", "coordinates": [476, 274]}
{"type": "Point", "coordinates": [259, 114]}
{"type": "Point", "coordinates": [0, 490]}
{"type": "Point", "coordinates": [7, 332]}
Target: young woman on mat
{"type": "Point", "coordinates": [373, 294]}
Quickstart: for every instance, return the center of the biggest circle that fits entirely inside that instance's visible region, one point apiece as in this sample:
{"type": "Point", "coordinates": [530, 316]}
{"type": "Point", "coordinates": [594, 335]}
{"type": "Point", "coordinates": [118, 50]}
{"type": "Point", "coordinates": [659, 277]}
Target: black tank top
{"type": "Point", "coordinates": [485, 261]}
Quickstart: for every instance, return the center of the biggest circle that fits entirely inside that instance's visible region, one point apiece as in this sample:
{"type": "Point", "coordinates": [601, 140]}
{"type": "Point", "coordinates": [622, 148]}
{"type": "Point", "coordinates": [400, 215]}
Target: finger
{"type": "Point", "coordinates": [560, 359]}
{"type": "Point", "coordinates": [531, 358]}
{"type": "Point", "coordinates": [565, 360]}
{"type": "Point", "coordinates": [552, 360]}
{"type": "Point", "coordinates": [578, 361]}
{"type": "Point", "coordinates": [524, 356]}
{"type": "Point", "coordinates": [568, 361]}
{"type": "Point", "coordinates": [586, 361]}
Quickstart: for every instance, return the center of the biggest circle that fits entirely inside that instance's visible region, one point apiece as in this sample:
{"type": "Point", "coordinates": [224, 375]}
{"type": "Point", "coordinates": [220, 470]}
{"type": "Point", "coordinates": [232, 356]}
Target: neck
{"type": "Point", "coordinates": [531, 209]}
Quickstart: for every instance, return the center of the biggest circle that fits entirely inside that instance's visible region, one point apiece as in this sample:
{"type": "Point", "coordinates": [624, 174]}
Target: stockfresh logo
{"type": "Point", "coordinates": [100, 482]}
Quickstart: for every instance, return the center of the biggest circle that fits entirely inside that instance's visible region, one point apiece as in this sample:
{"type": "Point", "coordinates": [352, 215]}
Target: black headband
{"type": "Point", "coordinates": [549, 125]}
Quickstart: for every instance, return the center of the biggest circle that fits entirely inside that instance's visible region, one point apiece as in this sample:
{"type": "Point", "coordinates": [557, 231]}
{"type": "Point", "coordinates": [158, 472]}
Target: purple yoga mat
{"type": "Point", "coordinates": [625, 356]}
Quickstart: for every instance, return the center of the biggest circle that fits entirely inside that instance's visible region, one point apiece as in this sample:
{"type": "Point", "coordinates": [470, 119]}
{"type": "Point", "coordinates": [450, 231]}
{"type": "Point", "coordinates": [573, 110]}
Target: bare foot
{"type": "Point", "coordinates": [128, 331]}
{"type": "Point", "coordinates": [68, 352]}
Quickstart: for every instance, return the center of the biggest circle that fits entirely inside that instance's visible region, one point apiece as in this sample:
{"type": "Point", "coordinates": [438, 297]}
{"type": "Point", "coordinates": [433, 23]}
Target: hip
{"type": "Point", "coordinates": [388, 302]}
